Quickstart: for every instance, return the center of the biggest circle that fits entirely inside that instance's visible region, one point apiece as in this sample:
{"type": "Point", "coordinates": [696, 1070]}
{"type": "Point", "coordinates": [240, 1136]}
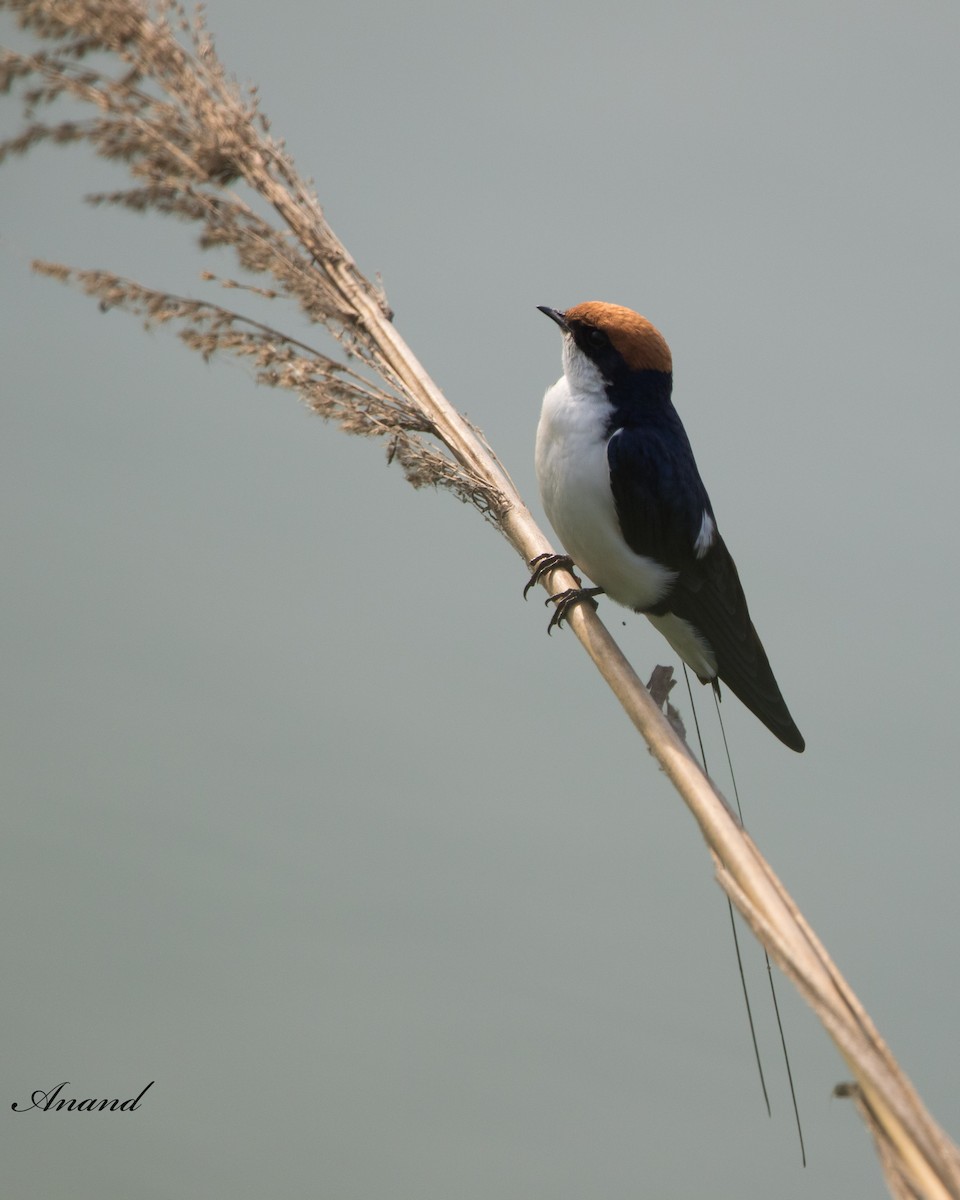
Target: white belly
{"type": "Point", "coordinates": [574, 479]}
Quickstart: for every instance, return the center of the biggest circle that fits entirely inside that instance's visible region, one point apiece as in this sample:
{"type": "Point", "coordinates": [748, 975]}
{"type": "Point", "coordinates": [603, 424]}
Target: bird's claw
{"type": "Point", "coordinates": [545, 563]}
{"type": "Point", "coordinates": [566, 600]}
{"type": "Point", "coordinates": [542, 565]}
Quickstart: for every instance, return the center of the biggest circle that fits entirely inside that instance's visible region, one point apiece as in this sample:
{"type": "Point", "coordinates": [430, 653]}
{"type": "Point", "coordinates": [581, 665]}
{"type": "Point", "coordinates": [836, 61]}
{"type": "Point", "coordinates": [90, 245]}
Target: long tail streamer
{"type": "Point", "coordinates": [736, 941]}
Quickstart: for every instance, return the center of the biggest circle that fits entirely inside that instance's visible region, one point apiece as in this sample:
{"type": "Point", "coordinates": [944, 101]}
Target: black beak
{"type": "Point", "coordinates": [555, 315]}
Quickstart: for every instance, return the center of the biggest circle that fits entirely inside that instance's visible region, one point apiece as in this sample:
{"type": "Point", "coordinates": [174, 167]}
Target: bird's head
{"type": "Point", "coordinates": [614, 340]}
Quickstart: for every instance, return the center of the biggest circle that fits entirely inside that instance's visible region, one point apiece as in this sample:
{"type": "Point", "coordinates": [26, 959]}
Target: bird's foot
{"type": "Point", "coordinates": [544, 563]}
{"type": "Point", "coordinates": [566, 600]}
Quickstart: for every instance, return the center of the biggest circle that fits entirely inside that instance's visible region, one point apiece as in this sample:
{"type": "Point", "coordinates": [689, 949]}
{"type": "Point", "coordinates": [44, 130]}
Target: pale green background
{"type": "Point", "coordinates": [304, 815]}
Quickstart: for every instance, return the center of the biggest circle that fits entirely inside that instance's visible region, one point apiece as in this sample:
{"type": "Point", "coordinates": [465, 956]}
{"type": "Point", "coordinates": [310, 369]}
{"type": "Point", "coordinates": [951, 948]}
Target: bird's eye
{"type": "Point", "coordinates": [597, 339]}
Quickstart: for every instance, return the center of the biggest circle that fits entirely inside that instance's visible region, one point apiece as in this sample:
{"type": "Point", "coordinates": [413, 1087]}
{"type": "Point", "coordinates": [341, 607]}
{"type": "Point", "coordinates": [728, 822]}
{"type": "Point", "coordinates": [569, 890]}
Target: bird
{"type": "Point", "coordinates": [620, 486]}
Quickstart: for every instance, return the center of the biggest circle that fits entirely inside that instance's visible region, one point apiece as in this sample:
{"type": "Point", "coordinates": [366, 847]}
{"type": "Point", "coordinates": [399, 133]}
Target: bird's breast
{"type": "Point", "coordinates": [574, 479]}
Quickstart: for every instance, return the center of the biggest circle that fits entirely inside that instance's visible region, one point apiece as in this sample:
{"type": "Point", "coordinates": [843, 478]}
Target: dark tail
{"type": "Point", "coordinates": [711, 598]}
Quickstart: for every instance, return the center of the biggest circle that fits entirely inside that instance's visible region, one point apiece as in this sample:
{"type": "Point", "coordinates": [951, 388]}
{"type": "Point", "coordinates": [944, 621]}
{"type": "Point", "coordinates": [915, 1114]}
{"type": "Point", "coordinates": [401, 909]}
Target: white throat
{"type": "Point", "coordinates": [582, 375]}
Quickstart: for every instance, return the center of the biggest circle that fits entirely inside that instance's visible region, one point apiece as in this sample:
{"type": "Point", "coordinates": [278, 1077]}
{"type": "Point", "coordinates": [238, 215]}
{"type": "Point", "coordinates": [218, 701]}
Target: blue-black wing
{"type": "Point", "coordinates": [661, 503]}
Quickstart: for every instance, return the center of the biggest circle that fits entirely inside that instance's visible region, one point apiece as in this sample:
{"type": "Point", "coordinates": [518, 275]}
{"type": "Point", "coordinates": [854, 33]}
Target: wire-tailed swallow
{"type": "Point", "coordinates": [621, 488]}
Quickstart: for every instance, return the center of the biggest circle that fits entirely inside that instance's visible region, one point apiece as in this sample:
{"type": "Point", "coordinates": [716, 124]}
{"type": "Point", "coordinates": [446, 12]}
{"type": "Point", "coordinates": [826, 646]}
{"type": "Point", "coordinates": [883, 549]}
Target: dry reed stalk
{"type": "Point", "coordinates": [186, 133]}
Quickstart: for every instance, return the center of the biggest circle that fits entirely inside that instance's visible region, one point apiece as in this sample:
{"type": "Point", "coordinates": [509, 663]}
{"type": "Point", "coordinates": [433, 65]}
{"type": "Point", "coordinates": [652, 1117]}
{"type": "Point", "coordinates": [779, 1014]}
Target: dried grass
{"type": "Point", "coordinates": [200, 150]}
